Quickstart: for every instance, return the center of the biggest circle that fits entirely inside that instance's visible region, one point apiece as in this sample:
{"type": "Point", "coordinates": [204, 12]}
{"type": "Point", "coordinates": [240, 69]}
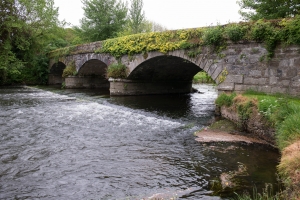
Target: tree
{"type": "Point", "coordinates": [103, 19]}
{"type": "Point", "coordinates": [136, 17]}
{"type": "Point", "coordinates": [26, 29]}
{"type": "Point", "coordinates": [155, 27]}
{"type": "Point", "coordinates": [268, 9]}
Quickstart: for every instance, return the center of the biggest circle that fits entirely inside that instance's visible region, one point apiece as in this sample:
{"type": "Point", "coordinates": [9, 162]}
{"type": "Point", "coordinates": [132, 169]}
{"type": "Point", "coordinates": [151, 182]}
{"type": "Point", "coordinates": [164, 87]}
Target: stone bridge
{"type": "Point", "coordinates": [238, 68]}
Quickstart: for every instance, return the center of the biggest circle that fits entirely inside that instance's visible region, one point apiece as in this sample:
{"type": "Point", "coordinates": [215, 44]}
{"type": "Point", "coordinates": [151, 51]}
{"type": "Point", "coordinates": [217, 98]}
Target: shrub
{"type": "Point", "coordinates": [262, 31]}
{"type": "Point", "coordinates": [116, 70]}
{"type": "Point", "coordinates": [235, 32]}
{"type": "Point", "coordinates": [213, 36]}
{"type": "Point", "coordinates": [291, 31]}
{"type": "Point", "coordinates": [70, 70]}
{"type": "Point", "coordinates": [225, 100]}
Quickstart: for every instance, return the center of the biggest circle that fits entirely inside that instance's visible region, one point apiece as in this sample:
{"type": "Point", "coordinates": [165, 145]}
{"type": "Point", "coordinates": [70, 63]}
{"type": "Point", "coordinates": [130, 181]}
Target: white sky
{"type": "Point", "coordinates": [172, 14]}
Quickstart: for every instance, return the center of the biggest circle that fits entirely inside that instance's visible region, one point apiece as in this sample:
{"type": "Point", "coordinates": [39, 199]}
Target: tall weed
{"type": "Point", "coordinates": [288, 131]}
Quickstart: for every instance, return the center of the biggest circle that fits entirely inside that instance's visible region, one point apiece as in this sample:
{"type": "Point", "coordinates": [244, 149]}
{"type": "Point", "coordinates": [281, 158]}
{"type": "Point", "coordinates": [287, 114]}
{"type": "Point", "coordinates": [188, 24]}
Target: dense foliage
{"type": "Point", "coordinates": [28, 29]}
{"type": "Point", "coordinates": [268, 9]}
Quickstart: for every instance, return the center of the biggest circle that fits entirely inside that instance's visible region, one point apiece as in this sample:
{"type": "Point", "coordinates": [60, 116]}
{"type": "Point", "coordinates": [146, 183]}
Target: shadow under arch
{"type": "Point", "coordinates": [55, 74]}
{"type": "Point", "coordinates": [163, 74]}
{"type": "Point", "coordinates": [93, 67]}
{"type": "Point", "coordinates": [92, 74]}
{"type": "Point", "coordinates": [165, 68]}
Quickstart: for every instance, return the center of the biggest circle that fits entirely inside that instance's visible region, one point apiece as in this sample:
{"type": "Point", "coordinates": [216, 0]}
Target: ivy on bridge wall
{"type": "Point", "coordinates": [269, 32]}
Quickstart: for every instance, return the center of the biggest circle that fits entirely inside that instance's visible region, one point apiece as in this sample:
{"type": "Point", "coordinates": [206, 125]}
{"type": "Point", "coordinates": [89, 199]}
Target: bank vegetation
{"type": "Point", "coordinates": [278, 113]}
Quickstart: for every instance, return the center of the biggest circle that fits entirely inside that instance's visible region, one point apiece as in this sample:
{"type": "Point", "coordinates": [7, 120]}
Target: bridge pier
{"type": "Point", "coordinates": [137, 87]}
{"type": "Point", "coordinates": [78, 82]}
{"type": "Point", "coordinates": [55, 79]}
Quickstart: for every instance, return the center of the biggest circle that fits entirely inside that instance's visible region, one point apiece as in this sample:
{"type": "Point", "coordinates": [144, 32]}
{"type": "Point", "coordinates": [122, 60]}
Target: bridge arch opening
{"type": "Point", "coordinates": [92, 74]}
{"type": "Point", "coordinates": [164, 74]}
{"type": "Point", "coordinates": [165, 68]}
{"type": "Point", "coordinates": [93, 67]}
{"type": "Point", "coordinates": [55, 74]}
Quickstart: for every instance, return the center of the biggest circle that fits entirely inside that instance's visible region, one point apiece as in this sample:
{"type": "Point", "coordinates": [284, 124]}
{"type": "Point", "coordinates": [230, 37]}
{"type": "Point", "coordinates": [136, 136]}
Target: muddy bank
{"type": "Point", "coordinates": [226, 131]}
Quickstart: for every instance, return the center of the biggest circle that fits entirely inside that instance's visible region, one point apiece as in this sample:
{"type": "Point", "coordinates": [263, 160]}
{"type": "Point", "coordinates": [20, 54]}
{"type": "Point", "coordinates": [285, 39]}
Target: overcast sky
{"type": "Point", "coordinates": [172, 14]}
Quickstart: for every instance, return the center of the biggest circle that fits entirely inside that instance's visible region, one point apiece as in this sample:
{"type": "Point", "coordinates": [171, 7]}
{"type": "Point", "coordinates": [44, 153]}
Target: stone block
{"type": "Point", "coordinates": [284, 83]}
{"type": "Point", "coordinates": [295, 83]}
{"type": "Point", "coordinates": [239, 87]}
{"type": "Point", "coordinates": [212, 69]}
{"type": "Point", "coordinates": [295, 92]}
{"type": "Point", "coordinates": [255, 73]}
{"type": "Point", "coordinates": [251, 87]}
{"type": "Point", "coordinates": [273, 80]}
{"type": "Point", "coordinates": [203, 62]}
{"type": "Point", "coordinates": [217, 72]}
{"type": "Point", "coordinates": [279, 89]}
{"type": "Point", "coordinates": [208, 64]}
{"type": "Point", "coordinates": [284, 63]}
{"type": "Point", "coordinates": [234, 78]}
{"type": "Point", "coordinates": [226, 86]}
{"type": "Point", "coordinates": [255, 81]}
{"type": "Point", "coordinates": [199, 60]}
{"type": "Point", "coordinates": [265, 89]}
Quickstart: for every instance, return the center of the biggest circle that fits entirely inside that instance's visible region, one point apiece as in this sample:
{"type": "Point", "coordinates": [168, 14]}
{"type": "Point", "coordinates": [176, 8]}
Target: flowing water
{"type": "Point", "coordinates": [84, 144]}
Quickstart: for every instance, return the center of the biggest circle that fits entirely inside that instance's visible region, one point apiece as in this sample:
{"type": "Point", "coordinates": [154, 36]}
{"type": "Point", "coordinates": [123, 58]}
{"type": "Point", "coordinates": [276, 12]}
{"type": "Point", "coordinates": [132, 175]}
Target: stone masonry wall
{"type": "Point", "coordinates": [249, 68]}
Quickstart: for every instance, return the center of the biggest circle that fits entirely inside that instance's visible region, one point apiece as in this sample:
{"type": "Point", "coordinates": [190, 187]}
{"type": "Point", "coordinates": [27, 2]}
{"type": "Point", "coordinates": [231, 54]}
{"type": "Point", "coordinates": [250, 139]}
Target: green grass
{"type": "Point", "coordinates": [225, 100]}
{"type": "Point", "coordinates": [283, 113]}
{"type": "Point", "coordinates": [202, 77]}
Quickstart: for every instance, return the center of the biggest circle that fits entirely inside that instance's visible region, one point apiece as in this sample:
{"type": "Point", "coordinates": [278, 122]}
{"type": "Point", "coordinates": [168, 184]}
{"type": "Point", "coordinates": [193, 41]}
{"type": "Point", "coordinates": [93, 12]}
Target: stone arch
{"type": "Point", "coordinates": [93, 67]}
{"type": "Point", "coordinates": [85, 58]}
{"type": "Point", "coordinates": [55, 73]}
{"type": "Point", "coordinates": [165, 68]}
{"type": "Point", "coordinates": [205, 61]}
{"type": "Point", "coordinates": [91, 73]}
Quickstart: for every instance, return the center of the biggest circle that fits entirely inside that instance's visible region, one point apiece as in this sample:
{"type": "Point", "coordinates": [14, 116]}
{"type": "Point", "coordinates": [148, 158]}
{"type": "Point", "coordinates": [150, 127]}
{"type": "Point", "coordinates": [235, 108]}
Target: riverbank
{"type": "Point", "coordinates": [226, 131]}
{"type": "Point", "coordinates": [274, 120]}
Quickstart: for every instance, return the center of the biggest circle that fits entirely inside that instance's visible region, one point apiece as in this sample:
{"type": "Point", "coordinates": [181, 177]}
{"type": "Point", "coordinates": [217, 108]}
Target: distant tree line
{"type": "Point", "coordinates": [29, 29]}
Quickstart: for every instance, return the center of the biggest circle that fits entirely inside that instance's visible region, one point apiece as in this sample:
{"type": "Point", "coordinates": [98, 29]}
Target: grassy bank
{"type": "Point", "coordinates": [283, 114]}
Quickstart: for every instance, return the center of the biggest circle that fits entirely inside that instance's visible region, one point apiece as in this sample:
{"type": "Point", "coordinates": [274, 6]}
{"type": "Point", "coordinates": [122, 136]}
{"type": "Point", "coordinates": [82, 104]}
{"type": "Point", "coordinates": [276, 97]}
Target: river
{"type": "Point", "coordinates": [84, 144]}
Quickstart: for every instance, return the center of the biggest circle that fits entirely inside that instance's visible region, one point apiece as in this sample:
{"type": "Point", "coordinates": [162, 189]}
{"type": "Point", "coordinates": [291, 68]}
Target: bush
{"type": "Point", "coordinates": [70, 70]}
{"type": "Point", "coordinates": [213, 36]}
{"type": "Point", "coordinates": [235, 32]}
{"type": "Point", "coordinates": [291, 31]}
{"type": "Point", "coordinates": [225, 100]}
{"type": "Point", "coordinates": [116, 70]}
